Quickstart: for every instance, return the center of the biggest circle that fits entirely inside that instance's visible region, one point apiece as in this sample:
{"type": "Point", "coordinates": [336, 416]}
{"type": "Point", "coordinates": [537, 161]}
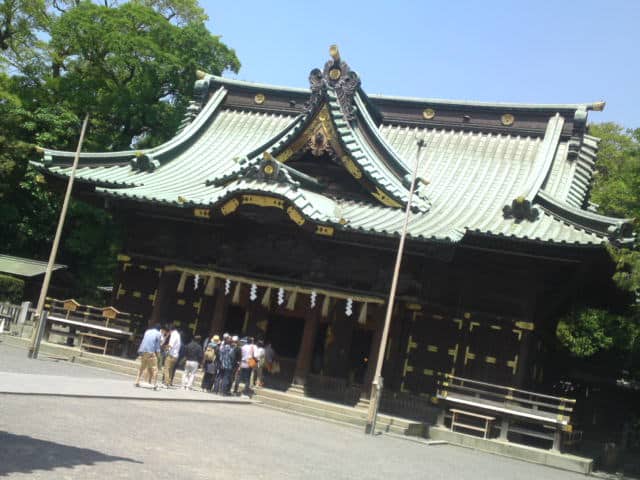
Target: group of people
{"type": "Point", "coordinates": [227, 362]}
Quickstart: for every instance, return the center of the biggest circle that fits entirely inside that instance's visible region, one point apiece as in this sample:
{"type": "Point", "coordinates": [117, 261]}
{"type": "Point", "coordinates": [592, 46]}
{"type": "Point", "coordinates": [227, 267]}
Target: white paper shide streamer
{"type": "Point", "coordinates": [313, 298]}
{"type": "Point", "coordinates": [349, 307]}
{"type": "Point", "coordinates": [280, 296]}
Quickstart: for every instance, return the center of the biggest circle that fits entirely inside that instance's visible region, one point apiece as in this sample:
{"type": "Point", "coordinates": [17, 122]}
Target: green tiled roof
{"type": "Point", "coordinates": [473, 175]}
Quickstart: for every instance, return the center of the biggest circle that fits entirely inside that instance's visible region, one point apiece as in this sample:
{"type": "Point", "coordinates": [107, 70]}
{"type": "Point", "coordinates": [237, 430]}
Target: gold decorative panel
{"type": "Point", "coordinates": [262, 201]}
{"type": "Point", "coordinates": [230, 207]}
{"type": "Point", "coordinates": [324, 230]}
{"type": "Point", "coordinates": [202, 212]}
{"type": "Point", "coordinates": [295, 215]}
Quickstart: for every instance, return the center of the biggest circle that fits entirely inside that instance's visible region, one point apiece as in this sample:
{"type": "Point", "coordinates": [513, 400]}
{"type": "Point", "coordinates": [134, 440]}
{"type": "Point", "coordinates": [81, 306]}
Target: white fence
{"type": "Point", "coordinates": [14, 317]}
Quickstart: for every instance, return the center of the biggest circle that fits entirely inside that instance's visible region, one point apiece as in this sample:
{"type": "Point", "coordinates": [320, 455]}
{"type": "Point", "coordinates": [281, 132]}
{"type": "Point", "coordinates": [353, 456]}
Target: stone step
{"type": "Point", "coordinates": [304, 400]}
{"type": "Point", "coordinates": [340, 412]}
{"type": "Point", "coordinates": [359, 412]}
{"type": "Point", "coordinates": [310, 410]}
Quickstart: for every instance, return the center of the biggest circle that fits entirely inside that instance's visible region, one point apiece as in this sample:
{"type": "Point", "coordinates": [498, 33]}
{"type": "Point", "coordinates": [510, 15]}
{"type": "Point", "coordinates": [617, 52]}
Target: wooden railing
{"type": "Point", "coordinates": [10, 317]}
{"type": "Point", "coordinates": [522, 413]}
{"type": "Point", "coordinates": [91, 328]}
{"type": "Point", "coordinates": [108, 317]}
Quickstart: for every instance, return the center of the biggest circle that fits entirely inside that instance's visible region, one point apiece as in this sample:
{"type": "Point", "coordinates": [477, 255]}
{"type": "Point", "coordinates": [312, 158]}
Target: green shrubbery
{"type": "Point", "coordinates": [11, 289]}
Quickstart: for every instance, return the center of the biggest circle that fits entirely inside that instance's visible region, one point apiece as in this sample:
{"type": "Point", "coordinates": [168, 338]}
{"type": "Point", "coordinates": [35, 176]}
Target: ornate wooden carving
{"type": "Point", "coordinates": [338, 76]}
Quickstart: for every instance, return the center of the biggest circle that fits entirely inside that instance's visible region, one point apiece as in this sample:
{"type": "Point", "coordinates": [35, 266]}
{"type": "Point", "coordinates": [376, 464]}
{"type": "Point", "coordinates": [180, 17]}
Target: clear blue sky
{"type": "Point", "coordinates": [541, 51]}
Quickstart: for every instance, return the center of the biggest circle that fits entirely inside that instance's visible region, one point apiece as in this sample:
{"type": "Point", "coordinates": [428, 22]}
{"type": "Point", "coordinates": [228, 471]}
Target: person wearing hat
{"type": "Point", "coordinates": [210, 363]}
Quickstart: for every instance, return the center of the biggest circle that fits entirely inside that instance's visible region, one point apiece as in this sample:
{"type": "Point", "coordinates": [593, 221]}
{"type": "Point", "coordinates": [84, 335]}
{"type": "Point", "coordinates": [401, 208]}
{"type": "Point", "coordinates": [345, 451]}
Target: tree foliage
{"type": "Point", "coordinates": [616, 191]}
{"type": "Point", "coordinates": [131, 65]}
{"type": "Point", "coordinates": [11, 289]}
{"type": "Point", "coordinates": [13, 150]}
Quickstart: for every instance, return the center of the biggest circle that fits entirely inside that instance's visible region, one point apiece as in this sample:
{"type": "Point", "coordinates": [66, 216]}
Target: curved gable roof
{"type": "Point", "coordinates": [521, 171]}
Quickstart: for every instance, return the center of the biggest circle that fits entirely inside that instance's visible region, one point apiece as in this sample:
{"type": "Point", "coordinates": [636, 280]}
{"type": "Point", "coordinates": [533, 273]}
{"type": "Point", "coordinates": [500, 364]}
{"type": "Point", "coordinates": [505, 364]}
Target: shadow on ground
{"type": "Point", "coordinates": [20, 453]}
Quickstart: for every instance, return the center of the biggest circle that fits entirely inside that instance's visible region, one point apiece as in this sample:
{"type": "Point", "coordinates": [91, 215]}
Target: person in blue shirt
{"type": "Point", "coordinates": [148, 352]}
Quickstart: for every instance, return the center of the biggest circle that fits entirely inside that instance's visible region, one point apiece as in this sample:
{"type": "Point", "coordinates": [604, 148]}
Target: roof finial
{"type": "Point", "coordinates": [334, 52]}
{"type": "Point", "coordinates": [599, 106]}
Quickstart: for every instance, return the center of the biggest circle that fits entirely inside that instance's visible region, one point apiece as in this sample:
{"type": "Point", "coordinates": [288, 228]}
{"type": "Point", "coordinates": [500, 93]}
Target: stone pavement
{"type": "Point", "coordinates": [50, 437]}
{"type": "Point", "coordinates": [33, 384]}
{"type": "Point", "coordinates": [51, 376]}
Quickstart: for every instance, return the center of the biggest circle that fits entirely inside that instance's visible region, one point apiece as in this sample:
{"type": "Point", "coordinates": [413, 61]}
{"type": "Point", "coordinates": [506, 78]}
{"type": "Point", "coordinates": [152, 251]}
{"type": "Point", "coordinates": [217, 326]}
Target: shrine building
{"type": "Point", "coordinates": [276, 212]}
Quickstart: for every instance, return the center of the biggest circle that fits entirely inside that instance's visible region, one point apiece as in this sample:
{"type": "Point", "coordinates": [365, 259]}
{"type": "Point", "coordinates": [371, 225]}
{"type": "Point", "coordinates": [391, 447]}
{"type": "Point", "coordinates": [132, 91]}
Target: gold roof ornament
{"type": "Point", "coordinates": [599, 106]}
{"type": "Point", "coordinates": [200, 74]}
{"type": "Point", "coordinates": [507, 119]}
{"type": "Point", "coordinates": [428, 113]}
{"type": "Point", "coordinates": [259, 98]}
{"type": "Point", "coordinates": [334, 52]}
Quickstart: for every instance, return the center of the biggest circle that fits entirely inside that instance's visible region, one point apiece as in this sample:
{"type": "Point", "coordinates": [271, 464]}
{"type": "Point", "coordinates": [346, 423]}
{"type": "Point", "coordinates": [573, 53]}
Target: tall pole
{"type": "Point", "coordinates": [376, 390]}
{"type": "Point", "coordinates": [36, 335]}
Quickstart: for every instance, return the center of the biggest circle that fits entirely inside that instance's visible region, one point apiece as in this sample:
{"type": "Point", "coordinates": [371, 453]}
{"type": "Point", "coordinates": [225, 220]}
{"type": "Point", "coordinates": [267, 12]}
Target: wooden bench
{"type": "Point", "coordinates": [528, 414]}
{"type": "Point", "coordinates": [487, 421]}
{"type": "Point", "coordinates": [104, 342]}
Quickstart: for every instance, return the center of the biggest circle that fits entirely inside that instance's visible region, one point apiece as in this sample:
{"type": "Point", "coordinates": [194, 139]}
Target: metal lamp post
{"type": "Point", "coordinates": [41, 319]}
{"type": "Point", "coordinates": [376, 390]}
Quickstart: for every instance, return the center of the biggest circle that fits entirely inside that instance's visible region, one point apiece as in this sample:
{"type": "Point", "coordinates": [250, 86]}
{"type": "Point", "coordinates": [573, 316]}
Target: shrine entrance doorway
{"type": "Point", "coordinates": [234, 324]}
{"type": "Point", "coordinates": [285, 332]}
{"type": "Point", "coordinates": [359, 355]}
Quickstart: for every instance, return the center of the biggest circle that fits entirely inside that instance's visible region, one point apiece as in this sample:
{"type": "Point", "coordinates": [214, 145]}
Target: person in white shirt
{"type": "Point", "coordinates": [173, 353]}
{"type": "Point", "coordinates": [247, 363]}
{"type": "Point", "coordinates": [261, 359]}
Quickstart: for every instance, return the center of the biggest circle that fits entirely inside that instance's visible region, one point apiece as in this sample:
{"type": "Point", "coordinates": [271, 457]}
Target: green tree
{"type": "Point", "coordinates": [616, 190]}
{"type": "Point", "coordinates": [131, 65]}
{"type": "Point", "coordinates": [13, 151]}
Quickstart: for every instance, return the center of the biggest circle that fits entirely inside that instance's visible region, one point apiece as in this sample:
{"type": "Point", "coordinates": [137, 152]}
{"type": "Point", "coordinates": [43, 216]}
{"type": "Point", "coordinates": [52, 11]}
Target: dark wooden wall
{"type": "Point", "coordinates": [473, 310]}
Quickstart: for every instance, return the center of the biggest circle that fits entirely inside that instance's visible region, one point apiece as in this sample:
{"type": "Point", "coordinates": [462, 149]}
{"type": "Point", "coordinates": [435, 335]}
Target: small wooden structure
{"type": "Point", "coordinates": [527, 414]}
{"type": "Point", "coordinates": [96, 327]}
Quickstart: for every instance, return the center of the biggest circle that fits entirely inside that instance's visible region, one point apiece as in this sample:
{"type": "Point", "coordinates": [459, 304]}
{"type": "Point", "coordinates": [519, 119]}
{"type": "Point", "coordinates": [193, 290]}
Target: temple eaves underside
{"type": "Point", "coordinates": [517, 171]}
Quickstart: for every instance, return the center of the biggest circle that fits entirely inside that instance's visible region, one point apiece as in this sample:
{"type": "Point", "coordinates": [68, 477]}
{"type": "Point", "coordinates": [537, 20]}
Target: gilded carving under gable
{"type": "Point", "coordinates": [385, 199]}
{"type": "Point", "coordinates": [351, 167]}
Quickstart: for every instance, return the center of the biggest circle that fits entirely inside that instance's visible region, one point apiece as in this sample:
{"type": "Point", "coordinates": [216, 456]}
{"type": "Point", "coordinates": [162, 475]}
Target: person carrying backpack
{"type": "Point", "coordinates": [210, 363]}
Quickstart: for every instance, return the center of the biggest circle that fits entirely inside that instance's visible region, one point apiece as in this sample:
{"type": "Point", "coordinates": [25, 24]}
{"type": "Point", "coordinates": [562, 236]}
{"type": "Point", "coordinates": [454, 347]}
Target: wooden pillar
{"type": "Point", "coordinates": [219, 317]}
{"type": "Point", "coordinates": [375, 348]}
{"type": "Point", "coordinates": [392, 368]}
{"type": "Point", "coordinates": [165, 293]}
{"type": "Point", "coordinates": [307, 343]}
